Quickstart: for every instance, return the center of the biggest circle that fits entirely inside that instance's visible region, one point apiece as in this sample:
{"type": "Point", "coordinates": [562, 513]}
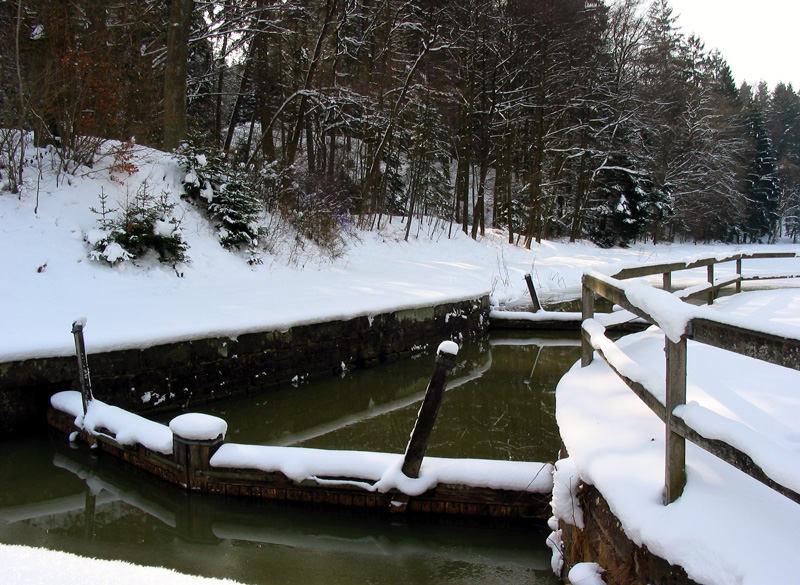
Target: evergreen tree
{"type": "Point", "coordinates": [763, 187]}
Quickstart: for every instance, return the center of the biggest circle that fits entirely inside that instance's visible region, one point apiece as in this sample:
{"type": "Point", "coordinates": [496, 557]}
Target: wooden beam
{"type": "Point", "coordinates": [675, 467]}
{"type": "Point", "coordinates": [733, 456]}
{"type": "Point", "coordinates": [770, 348]}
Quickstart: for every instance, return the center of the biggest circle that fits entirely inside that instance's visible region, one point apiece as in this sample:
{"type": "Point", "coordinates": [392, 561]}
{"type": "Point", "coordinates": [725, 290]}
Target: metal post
{"type": "Point", "coordinates": [675, 466]}
{"type": "Point", "coordinates": [418, 444]}
{"type": "Point", "coordinates": [537, 306]}
{"type": "Point", "coordinates": [83, 365]}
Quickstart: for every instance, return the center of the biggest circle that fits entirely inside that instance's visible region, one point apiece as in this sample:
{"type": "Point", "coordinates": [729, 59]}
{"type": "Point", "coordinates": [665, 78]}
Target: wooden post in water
{"type": "Point", "coordinates": [675, 468]}
{"type": "Point", "coordinates": [83, 365]}
{"type": "Point", "coordinates": [711, 282]}
{"type": "Point", "coordinates": [587, 312]}
{"type": "Point", "coordinates": [537, 306]}
{"type": "Point", "coordinates": [418, 444]}
{"type": "Point", "coordinates": [739, 274]}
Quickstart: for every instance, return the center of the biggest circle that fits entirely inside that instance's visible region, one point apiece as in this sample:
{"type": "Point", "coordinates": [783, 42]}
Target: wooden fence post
{"type": "Point", "coordinates": [739, 273]}
{"type": "Point", "coordinates": [587, 312]}
{"type": "Point", "coordinates": [711, 282]}
{"type": "Point", "coordinates": [418, 444]}
{"type": "Point", "coordinates": [675, 467]}
{"type": "Point", "coordinates": [83, 364]}
{"type": "Point", "coordinates": [667, 280]}
{"type": "Point", "coordinates": [537, 306]}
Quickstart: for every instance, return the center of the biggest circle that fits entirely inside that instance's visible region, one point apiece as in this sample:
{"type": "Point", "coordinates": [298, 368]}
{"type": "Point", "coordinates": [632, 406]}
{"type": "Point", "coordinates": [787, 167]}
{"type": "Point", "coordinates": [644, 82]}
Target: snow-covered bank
{"type": "Point", "coordinates": [49, 281]}
{"type": "Point", "coordinates": [726, 527]}
{"type": "Point", "coordinates": [24, 565]}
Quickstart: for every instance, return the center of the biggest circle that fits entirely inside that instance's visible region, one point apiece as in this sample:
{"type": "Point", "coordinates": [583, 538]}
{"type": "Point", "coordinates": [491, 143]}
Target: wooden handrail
{"type": "Point", "coordinates": [767, 347]}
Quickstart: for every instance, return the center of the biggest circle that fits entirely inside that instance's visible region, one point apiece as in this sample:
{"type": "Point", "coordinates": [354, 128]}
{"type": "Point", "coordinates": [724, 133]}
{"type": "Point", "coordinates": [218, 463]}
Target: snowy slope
{"type": "Point", "coordinates": [49, 281]}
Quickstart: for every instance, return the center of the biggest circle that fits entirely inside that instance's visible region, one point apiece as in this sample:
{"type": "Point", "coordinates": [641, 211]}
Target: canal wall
{"type": "Point", "coordinates": [186, 373]}
{"type": "Point", "coordinates": [602, 540]}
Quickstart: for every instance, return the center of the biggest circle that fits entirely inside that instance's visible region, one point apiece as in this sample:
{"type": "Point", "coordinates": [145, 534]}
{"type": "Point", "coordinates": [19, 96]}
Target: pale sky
{"type": "Point", "coordinates": [760, 39]}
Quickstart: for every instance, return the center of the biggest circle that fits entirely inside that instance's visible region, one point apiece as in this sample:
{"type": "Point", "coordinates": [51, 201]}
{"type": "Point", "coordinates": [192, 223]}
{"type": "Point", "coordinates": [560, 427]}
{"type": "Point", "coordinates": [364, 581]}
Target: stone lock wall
{"type": "Point", "coordinates": [177, 375]}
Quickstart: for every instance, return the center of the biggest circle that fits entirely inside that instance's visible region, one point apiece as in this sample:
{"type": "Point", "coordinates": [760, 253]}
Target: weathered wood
{"type": "Point", "coordinates": [732, 456]}
{"type": "Point", "coordinates": [710, 299]}
{"type": "Point", "coordinates": [537, 306]}
{"type": "Point", "coordinates": [666, 280]}
{"type": "Point", "coordinates": [770, 348]}
{"type": "Point", "coordinates": [418, 444]}
{"type": "Point", "coordinates": [675, 468]}
{"type": "Point", "coordinates": [587, 312]}
{"type": "Point", "coordinates": [83, 364]}
{"type": "Point", "coordinates": [739, 274]}
{"type": "Point", "coordinates": [616, 295]}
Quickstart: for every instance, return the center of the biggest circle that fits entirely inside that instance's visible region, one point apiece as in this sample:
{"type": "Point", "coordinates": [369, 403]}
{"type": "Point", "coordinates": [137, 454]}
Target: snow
{"type": "Point", "coordinates": [220, 294]}
{"type": "Point", "coordinates": [586, 574]}
{"type": "Point", "coordinates": [450, 347]}
{"type": "Point", "coordinates": [195, 426]}
{"type": "Point", "coordinates": [381, 471]}
{"type": "Point", "coordinates": [125, 427]}
{"type": "Point", "coordinates": [35, 566]}
{"type": "Point", "coordinates": [715, 529]}
{"type": "Point", "coordinates": [725, 529]}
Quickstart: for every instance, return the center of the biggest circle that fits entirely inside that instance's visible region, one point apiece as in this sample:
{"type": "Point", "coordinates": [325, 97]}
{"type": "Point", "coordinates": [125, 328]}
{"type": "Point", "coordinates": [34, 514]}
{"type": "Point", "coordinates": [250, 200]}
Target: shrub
{"type": "Point", "coordinates": [227, 195]}
{"type": "Point", "coordinates": [144, 224]}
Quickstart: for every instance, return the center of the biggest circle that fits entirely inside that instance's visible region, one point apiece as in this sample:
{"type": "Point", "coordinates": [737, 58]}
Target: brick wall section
{"type": "Point", "coordinates": [186, 373]}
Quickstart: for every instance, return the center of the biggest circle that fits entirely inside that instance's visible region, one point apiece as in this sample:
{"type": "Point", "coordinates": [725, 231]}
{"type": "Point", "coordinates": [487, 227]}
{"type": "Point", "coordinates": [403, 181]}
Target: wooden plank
{"type": "Point", "coordinates": [733, 456]}
{"type": "Point", "coordinates": [616, 295]}
{"type": "Point", "coordinates": [770, 348]}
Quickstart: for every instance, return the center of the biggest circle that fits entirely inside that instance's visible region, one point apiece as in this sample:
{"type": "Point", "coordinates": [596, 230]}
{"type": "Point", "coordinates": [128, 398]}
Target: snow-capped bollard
{"type": "Point", "coordinates": [418, 444]}
{"type": "Point", "coordinates": [83, 364]}
{"type": "Point", "coordinates": [195, 439]}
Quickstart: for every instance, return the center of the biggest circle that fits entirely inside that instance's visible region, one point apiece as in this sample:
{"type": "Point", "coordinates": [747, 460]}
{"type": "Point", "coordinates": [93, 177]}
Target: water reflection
{"type": "Point", "coordinates": [499, 404]}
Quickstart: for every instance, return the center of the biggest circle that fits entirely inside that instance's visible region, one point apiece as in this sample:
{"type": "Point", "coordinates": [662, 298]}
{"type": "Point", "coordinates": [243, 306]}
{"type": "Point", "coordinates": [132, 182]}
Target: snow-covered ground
{"type": "Point", "coordinates": [48, 281]}
{"type": "Point", "coordinates": [726, 528]}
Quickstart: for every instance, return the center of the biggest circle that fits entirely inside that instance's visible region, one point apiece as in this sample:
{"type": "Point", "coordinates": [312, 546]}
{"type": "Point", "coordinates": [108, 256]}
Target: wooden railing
{"type": "Point", "coordinates": [758, 344]}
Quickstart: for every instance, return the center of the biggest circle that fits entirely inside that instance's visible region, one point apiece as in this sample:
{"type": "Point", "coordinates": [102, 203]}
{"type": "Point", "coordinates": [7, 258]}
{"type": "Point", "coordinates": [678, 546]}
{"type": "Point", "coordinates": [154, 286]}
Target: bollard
{"type": "Point", "coordinates": [195, 439]}
{"type": "Point", "coordinates": [83, 365]}
{"type": "Point", "coordinates": [418, 444]}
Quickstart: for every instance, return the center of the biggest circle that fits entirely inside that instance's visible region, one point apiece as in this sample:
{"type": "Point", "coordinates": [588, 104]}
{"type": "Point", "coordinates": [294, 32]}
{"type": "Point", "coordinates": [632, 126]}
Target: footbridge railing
{"type": "Point", "coordinates": [682, 322]}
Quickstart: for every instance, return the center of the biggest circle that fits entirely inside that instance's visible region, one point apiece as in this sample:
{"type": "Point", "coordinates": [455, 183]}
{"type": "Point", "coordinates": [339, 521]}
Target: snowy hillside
{"type": "Point", "coordinates": [49, 279]}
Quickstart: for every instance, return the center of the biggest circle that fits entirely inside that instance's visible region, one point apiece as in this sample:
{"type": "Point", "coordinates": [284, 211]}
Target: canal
{"type": "Point", "coordinates": [499, 405]}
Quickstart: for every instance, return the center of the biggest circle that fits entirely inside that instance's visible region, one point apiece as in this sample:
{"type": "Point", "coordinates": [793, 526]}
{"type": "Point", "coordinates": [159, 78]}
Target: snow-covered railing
{"type": "Point", "coordinates": [665, 393]}
{"type": "Point", "coordinates": [711, 288]}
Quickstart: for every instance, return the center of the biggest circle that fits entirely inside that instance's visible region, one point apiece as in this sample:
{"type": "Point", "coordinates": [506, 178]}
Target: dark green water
{"type": "Point", "coordinates": [499, 404]}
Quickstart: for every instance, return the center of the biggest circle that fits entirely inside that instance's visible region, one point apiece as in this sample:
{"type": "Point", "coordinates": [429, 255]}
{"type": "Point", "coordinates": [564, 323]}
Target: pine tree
{"type": "Point", "coordinates": [763, 187]}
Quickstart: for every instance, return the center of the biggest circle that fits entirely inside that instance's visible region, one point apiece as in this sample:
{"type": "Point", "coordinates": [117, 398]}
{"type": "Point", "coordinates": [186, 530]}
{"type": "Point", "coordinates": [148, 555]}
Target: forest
{"type": "Point", "coordinates": [575, 119]}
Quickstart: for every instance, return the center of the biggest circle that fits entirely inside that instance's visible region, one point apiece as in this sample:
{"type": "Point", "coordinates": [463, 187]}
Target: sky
{"type": "Point", "coordinates": [759, 39]}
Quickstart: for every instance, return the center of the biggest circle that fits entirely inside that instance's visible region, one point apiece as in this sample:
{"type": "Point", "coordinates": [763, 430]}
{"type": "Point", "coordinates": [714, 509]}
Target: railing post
{"type": "Point", "coordinates": [587, 312]}
{"type": "Point", "coordinates": [675, 468]}
{"type": "Point", "coordinates": [667, 279]}
{"type": "Point", "coordinates": [83, 364]}
{"type": "Point", "coordinates": [739, 273]}
{"type": "Point", "coordinates": [537, 306]}
{"type": "Point", "coordinates": [711, 282]}
{"type": "Point", "coordinates": [418, 444]}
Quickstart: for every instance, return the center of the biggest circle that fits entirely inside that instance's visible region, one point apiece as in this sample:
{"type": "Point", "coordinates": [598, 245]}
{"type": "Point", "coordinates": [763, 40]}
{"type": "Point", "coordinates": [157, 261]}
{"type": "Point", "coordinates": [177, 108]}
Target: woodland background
{"type": "Point", "coordinates": [578, 119]}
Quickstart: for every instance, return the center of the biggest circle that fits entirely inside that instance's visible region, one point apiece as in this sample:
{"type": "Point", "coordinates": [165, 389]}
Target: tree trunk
{"type": "Point", "coordinates": [177, 63]}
